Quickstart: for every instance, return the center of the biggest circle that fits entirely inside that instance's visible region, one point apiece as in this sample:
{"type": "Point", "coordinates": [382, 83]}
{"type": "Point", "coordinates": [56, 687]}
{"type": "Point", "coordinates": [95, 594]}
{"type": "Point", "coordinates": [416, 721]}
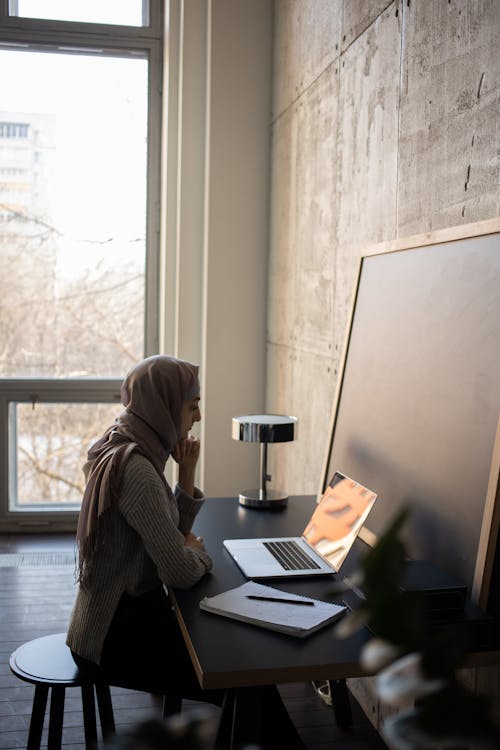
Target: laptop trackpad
{"type": "Point", "coordinates": [258, 561]}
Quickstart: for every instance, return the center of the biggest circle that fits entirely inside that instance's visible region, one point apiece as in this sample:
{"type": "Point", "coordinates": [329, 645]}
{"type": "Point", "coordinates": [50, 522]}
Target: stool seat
{"type": "Point", "coordinates": [46, 660]}
{"type": "Point", "coordinates": [48, 664]}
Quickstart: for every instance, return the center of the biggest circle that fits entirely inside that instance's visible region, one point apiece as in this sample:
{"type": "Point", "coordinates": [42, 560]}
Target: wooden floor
{"type": "Point", "coordinates": [36, 595]}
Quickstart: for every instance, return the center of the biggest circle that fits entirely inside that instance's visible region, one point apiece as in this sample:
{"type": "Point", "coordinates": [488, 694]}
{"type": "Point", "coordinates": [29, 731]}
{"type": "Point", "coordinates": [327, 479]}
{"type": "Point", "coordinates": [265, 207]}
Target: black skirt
{"type": "Point", "coordinates": [144, 650]}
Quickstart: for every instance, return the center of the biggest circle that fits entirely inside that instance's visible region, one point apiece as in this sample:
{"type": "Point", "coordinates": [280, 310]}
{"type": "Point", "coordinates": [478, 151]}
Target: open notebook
{"type": "Point", "coordinates": [324, 544]}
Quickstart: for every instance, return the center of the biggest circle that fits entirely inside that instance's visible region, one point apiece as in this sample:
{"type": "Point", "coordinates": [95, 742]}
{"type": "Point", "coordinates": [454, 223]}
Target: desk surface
{"type": "Point", "coordinates": [230, 654]}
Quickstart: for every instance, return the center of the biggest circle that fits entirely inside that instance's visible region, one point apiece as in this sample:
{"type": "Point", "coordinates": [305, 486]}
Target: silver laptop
{"type": "Point", "coordinates": [324, 544]}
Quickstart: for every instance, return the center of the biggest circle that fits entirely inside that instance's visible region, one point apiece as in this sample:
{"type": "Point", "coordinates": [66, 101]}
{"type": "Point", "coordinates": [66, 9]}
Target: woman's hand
{"type": "Point", "coordinates": [186, 453]}
{"type": "Point", "coordinates": [196, 542]}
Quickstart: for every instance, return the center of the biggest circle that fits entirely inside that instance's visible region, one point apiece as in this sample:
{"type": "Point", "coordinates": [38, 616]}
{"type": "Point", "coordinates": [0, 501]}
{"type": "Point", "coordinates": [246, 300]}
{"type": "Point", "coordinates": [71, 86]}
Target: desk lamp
{"type": "Point", "coordinates": [263, 429]}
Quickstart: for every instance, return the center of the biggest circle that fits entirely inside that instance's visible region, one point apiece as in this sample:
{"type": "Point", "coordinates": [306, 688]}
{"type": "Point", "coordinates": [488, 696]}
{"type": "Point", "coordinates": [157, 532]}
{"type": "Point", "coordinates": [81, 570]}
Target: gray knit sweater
{"type": "Point", "coordinates": [144, 546]}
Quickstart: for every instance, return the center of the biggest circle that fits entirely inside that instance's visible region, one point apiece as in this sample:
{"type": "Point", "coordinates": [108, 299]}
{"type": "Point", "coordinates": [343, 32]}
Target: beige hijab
{"type": "Point", "coordinates": [153, 394]}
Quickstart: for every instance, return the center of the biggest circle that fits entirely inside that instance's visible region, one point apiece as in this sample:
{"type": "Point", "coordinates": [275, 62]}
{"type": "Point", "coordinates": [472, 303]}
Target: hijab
{"type": "Point", "coordinates": [153, 394]}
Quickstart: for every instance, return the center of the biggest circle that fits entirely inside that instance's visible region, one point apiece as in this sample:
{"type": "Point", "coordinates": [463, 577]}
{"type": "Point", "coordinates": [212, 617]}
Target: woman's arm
{"type": "Point", "coordinates": [188, 506]}
{"type": "Point", "coordinates": [152, 512]}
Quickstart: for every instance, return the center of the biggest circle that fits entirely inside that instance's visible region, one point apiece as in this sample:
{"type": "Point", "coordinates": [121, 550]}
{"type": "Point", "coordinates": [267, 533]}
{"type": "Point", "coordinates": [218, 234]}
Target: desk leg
{"type": "Point", "coordinates": [256, 716]}
{"type": "Point", "coordinates": [240, 722]}
{"type": "Point", "coordinates": [340, 703]}
{"type": "Point", "coordinates": [225, 728]}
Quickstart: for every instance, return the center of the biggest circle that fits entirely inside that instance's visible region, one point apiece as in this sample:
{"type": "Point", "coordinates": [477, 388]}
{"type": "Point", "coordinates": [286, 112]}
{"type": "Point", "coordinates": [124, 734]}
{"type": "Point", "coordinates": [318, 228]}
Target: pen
{"type": "Point", "coordinates": [277, 599]}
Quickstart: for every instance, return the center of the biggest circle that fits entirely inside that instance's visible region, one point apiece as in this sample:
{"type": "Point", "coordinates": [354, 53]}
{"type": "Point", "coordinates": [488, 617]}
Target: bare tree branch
{"type": "Point", "coordinates": [41, 469]}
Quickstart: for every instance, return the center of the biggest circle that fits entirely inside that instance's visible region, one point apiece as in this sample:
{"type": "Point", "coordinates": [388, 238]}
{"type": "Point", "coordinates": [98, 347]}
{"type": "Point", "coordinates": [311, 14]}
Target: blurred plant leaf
{"type": "Point", "coordinates": [352, 622]}
{"type": "Point", "coordinates": [443, 651]}
{"type": "Point", "coordinates": [383, 565]}
{"type": "Point", "coordinates": [398, 619]}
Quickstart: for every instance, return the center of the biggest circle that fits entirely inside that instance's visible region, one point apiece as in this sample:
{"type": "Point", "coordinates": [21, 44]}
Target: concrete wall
{"type": "Point", "coordinates": [384, 126]}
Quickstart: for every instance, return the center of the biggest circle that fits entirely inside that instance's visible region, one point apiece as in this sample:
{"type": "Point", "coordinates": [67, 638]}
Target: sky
{"type": "Point", "coordinates": [127, 12]}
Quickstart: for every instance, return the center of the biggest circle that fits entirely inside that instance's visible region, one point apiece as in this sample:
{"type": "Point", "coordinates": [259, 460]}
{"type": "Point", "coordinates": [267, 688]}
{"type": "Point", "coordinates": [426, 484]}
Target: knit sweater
{"type": "Point", "coordinates": [144, 547]}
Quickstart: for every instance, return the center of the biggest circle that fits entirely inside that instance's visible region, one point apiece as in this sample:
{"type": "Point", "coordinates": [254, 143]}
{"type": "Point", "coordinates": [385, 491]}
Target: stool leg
{"type": "Point", "coordinates": [56, 718]}
{"type": "Point", "coordinates": [89, 722]}
{"type": "Point", "coordinates": [172, 704]}
{"type": "Point", "coordinates": [37, 717]}
{"type": "Point", "coordinates": [105, 710]}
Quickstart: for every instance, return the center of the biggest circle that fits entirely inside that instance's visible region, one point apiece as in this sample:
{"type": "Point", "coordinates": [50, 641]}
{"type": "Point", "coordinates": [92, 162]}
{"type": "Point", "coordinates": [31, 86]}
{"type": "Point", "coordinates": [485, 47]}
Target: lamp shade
{"type": "Point", "coordinates": [264, 428]}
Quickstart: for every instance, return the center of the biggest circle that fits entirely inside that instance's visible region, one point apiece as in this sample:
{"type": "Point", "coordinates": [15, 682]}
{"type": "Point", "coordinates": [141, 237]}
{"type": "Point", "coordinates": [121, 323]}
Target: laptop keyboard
{"type": "Point", "coordinates": [290, 555]}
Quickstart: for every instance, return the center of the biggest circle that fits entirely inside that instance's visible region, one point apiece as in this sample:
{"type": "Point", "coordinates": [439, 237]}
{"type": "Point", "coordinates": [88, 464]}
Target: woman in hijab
{"type": "Point", "coordinates": [134, 535]}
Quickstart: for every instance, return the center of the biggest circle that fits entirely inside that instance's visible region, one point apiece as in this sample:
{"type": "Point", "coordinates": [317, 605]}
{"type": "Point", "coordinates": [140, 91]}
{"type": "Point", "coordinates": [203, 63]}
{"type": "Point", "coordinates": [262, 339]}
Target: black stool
{"type": "Point", "coordinates": [47, 663]}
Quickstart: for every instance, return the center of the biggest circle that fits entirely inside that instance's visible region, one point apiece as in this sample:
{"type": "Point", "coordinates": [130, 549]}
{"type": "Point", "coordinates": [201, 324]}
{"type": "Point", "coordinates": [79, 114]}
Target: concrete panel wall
{"type": "Point", "coordinates": [448, 172]}
{"type": "Point", "coordinates": [306, 35]}
{"type": "Point", "coordinates": [384, 125]}
{"type": "Point", "coordinates": [301, 274]}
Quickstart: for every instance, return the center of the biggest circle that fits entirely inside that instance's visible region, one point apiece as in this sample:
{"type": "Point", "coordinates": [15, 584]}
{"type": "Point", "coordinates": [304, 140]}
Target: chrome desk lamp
{"type": "Point", "coordinates": [263, 429]}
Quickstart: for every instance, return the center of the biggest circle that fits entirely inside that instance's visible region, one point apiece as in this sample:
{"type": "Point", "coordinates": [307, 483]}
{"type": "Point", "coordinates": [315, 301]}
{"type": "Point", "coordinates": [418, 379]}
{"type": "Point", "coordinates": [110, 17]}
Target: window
{"type": "Point", "coordinates": [79, 184]}
{"type": "Point", "coordinates": [48, 450]}
{"type": "Point", "coordinates": [74, 244]}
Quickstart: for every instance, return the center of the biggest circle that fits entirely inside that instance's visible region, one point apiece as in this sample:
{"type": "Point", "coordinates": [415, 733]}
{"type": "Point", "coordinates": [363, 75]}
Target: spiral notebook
{"type": "Point", "coordinates": [274, 609]}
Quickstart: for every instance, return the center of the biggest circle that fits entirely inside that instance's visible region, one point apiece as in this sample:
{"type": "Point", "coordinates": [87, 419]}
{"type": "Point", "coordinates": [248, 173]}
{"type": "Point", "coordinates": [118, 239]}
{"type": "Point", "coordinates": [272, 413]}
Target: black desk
{"type": "Point", "coordinates": [236, 656]}
{"type": "Point", "coordinates": [229, 654]}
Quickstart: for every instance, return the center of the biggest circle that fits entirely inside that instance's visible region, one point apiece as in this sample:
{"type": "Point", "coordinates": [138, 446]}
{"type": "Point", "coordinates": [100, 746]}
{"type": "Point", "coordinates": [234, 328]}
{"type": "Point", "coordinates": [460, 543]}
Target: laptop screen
{"type": "Point", "coordinates": [338, 518]}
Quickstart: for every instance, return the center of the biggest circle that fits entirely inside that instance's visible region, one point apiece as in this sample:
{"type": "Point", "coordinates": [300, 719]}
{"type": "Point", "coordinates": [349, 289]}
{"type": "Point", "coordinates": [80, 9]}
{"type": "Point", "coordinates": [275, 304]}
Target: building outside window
{"type": "Point", "coordinates": [80, 136]}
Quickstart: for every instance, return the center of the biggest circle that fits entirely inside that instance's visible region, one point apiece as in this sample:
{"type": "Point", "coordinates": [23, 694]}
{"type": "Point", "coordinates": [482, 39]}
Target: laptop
{"type": "Point", "coordinates": [324, 544]}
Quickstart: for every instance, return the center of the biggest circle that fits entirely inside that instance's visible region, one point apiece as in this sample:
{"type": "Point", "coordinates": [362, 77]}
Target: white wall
{"type": "Point", "coordinates": [216, 218]}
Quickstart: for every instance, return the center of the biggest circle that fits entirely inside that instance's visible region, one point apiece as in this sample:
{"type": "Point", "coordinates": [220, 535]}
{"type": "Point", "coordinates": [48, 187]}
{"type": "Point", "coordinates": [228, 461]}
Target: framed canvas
{"type": "Point", "coordinates": [418, 398]}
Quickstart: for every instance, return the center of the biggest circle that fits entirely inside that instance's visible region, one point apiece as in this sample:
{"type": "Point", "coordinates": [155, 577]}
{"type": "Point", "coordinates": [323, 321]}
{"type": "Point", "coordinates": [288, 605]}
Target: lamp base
{"type": "Point", "coordinates": [259, 499]}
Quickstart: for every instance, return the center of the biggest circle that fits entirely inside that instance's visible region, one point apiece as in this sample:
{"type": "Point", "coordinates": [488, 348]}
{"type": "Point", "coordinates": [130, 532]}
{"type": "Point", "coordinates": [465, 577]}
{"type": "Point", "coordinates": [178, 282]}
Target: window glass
{"type": "Point", "coordinates": [73, 151]}
{"type": "Point", "coordinates": [122, 12]}
{"type": "Point", "coordinates": [51, 449]}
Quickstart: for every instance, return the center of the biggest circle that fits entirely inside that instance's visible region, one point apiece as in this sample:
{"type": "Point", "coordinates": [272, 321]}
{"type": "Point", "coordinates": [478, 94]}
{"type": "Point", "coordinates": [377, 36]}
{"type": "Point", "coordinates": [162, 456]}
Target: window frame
{"type": "Point", "coordinates": [78, 37]}
{"type": "Point", "coordinates": [47, 390]}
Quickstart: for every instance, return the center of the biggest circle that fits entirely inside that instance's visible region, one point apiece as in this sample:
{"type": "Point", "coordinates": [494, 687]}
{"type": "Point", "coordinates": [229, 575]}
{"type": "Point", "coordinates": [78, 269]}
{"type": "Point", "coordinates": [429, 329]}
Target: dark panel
{"type": "Point", "coordinates": [420, 395]}
{"type": "Point", "coordinates": [494, 598]}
